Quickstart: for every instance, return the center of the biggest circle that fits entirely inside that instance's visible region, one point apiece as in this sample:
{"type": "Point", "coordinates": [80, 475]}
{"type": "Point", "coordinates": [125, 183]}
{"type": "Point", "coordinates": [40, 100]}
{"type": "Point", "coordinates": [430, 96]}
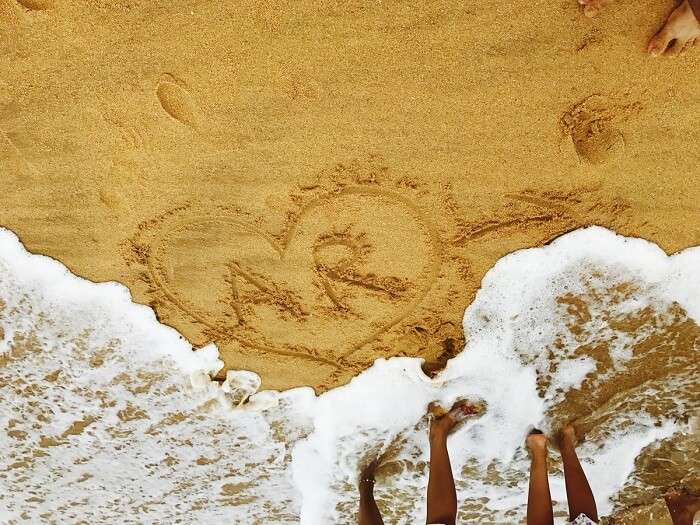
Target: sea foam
{"type": "Point", "coordinates": [109, 416]}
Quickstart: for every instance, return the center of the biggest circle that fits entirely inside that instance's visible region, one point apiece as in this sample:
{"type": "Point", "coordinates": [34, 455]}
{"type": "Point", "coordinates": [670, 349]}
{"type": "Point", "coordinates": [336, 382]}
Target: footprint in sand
{"type": "Point", "coordinates": [36, 5]}
{"type": "Point", "coordinates": [177, 102]}
{"type": "Point", "coordinates": [592, 123]}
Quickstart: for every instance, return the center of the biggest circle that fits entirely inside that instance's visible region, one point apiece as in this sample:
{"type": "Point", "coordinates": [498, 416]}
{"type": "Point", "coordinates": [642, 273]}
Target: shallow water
{"type": "Point", "coordinates": [109, 417]}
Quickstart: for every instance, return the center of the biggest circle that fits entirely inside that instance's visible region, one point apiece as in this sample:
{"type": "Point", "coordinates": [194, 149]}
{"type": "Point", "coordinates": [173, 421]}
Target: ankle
{"type": "Point", "coordinates": [539, 456]}
{"type": "Point", "coordinates": [366, 486]}
{"type": "Point", "coordinates": [437, 432]}
{"type": "Point", "coordinates": [438, 439]}
{"type": "Point", "coordinates": [567, 447]}
{"type": "Point", "coordinates": [682, 516]}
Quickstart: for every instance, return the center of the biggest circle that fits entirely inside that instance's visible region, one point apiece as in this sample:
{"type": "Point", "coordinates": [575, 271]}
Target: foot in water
{"type": "Point", "coordinates": [367, 472]}
{"type": "Point", "coordinates": [536, 442]}
{"type": "Point", "coordinates": [682, 505]}
{"type": "Point", "coordinates": [442, 425]}
{"type": "Point", "coordinates": [567, 437]}
{"type": "Point", "coordinates": [678, 34]}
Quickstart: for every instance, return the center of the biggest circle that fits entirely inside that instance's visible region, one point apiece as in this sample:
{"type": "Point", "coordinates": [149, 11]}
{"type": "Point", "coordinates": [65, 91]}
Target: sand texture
{"type": "Point", "coordinates": [314, 185]}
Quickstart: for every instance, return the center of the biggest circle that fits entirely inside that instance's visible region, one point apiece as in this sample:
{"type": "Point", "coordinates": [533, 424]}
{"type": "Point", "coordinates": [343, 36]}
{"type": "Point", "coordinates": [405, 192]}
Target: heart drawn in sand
{"type": "Point", "coordinates": [336, 282]}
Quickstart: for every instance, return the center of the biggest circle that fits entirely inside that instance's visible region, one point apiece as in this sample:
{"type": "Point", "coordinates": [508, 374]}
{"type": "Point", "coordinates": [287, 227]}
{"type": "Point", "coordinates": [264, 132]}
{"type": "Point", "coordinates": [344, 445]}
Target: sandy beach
{"type": "Point", "coordinates": [491, 139]}
{"type": "Point", "coordinates": [316, 185]}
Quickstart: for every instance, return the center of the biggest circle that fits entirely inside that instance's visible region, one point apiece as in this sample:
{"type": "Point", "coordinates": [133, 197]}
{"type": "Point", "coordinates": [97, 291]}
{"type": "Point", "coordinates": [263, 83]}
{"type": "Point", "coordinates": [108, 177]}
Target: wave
{"type": "Point", "coordinates": [109, 416]}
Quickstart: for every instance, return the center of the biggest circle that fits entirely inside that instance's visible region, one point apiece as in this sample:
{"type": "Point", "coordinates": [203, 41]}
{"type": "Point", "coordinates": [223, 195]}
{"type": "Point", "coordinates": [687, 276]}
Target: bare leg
{"type": "Point", "coordinates": [442, 496]}
{"type": "Point", "coordinates": [369, 513]}
{"type": "Point", "coordinates": [578, 491]}
{"type": "Point", "coordinates": [679, 33]}
{"type": "Point", "coordinates": [682, 506]}
{"type": "Point", "coordinates": [539, 500]}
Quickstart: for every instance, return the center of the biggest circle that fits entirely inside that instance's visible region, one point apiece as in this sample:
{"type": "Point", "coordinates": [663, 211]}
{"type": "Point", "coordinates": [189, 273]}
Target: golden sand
{"type": "Point", "coordinates": [313, 185]}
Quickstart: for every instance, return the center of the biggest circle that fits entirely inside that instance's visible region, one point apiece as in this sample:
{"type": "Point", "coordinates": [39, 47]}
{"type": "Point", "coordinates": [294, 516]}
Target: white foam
{"type": "Point", "coordinates": [513, 319]}
{"type": "Point", "coordinates": [166, 443]}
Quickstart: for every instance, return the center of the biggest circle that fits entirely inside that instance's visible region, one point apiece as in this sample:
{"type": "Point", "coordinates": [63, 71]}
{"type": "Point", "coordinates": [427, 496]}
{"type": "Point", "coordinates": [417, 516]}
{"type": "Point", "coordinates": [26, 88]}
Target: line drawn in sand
{"type": "Point", "coordinates": [554, 212]}
{"type": "Point", "coordinates": [331, 276]}
{"type": "Point", "coordinates": [242, 283]}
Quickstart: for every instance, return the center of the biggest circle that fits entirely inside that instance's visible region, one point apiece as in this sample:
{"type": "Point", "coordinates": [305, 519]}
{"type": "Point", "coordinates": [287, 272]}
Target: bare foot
{"type": "Point", "coordinates": [567, 436]}
{"type": "Point", "coordinates": [442, 425]}
{"type": "Point", "coordinates": [367, 473]}
{"type": "Point", "coordinates": [682, 505]}
{"type": "Point", "coordinates": [536, 442]}
{"type": "Point", "coordinates": [678, 34]}
{"type": "Point", "coordinates": [593, 7]}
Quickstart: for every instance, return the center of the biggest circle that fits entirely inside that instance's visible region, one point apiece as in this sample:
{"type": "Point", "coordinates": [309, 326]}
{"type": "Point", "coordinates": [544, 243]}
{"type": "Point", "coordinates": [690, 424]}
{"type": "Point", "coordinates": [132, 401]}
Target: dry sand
{"type": "Point", "coordinates": [314, 185]}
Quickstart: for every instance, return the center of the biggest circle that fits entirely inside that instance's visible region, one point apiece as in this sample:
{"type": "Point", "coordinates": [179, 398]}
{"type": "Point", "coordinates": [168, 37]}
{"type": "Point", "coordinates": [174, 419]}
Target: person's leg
{"type": "Point", "coordinates": [578, 491]}
{"type": "Point", "coordinates": [442, 495]}
{"type": "Point", "coordinates": [539, 500]}
{"type": "Point", "coordinates": [682, 506]}
{"type": "Point", "coordinates": [369, 512]}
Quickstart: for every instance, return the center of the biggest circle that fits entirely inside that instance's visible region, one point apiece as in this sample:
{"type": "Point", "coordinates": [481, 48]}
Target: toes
{"type": "Point", "coordinates": [660, 42]}
{"type": "Point", "coordinates": [676, 48]}
{"type": "Point", "coordinates": [688, 44]}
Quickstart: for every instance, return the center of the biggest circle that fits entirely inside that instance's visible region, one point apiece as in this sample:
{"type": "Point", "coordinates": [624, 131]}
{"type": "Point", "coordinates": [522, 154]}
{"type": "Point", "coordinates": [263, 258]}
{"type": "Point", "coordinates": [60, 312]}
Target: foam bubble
{"type": "Point", "coordinates": [110, 416]}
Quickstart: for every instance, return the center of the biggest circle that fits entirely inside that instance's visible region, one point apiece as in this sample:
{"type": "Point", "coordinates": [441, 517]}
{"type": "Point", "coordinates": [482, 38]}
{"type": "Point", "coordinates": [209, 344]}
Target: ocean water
{"type": "Point", "coordinates": [108, 416]}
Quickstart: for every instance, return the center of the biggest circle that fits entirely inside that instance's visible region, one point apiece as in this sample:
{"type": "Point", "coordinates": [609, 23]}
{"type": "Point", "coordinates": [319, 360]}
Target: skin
{"type": "Point", "coordinates": [680, 32]}
{"type": "Point", "coordinates": [578, 491]}
{"type": "Point", "coordinates": [442, 495]}
{"type": "Point", "coordinates": [682, 506]}
{"type": "Point", "coordinates": [539, 500]}
{"type": "Point", "coordinates": [369, 513]}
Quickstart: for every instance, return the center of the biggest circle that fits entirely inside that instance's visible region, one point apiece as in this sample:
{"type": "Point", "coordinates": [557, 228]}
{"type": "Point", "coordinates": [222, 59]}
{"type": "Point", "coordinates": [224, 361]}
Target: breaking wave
{"type": "Point", "coordinates": [109, 416]}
